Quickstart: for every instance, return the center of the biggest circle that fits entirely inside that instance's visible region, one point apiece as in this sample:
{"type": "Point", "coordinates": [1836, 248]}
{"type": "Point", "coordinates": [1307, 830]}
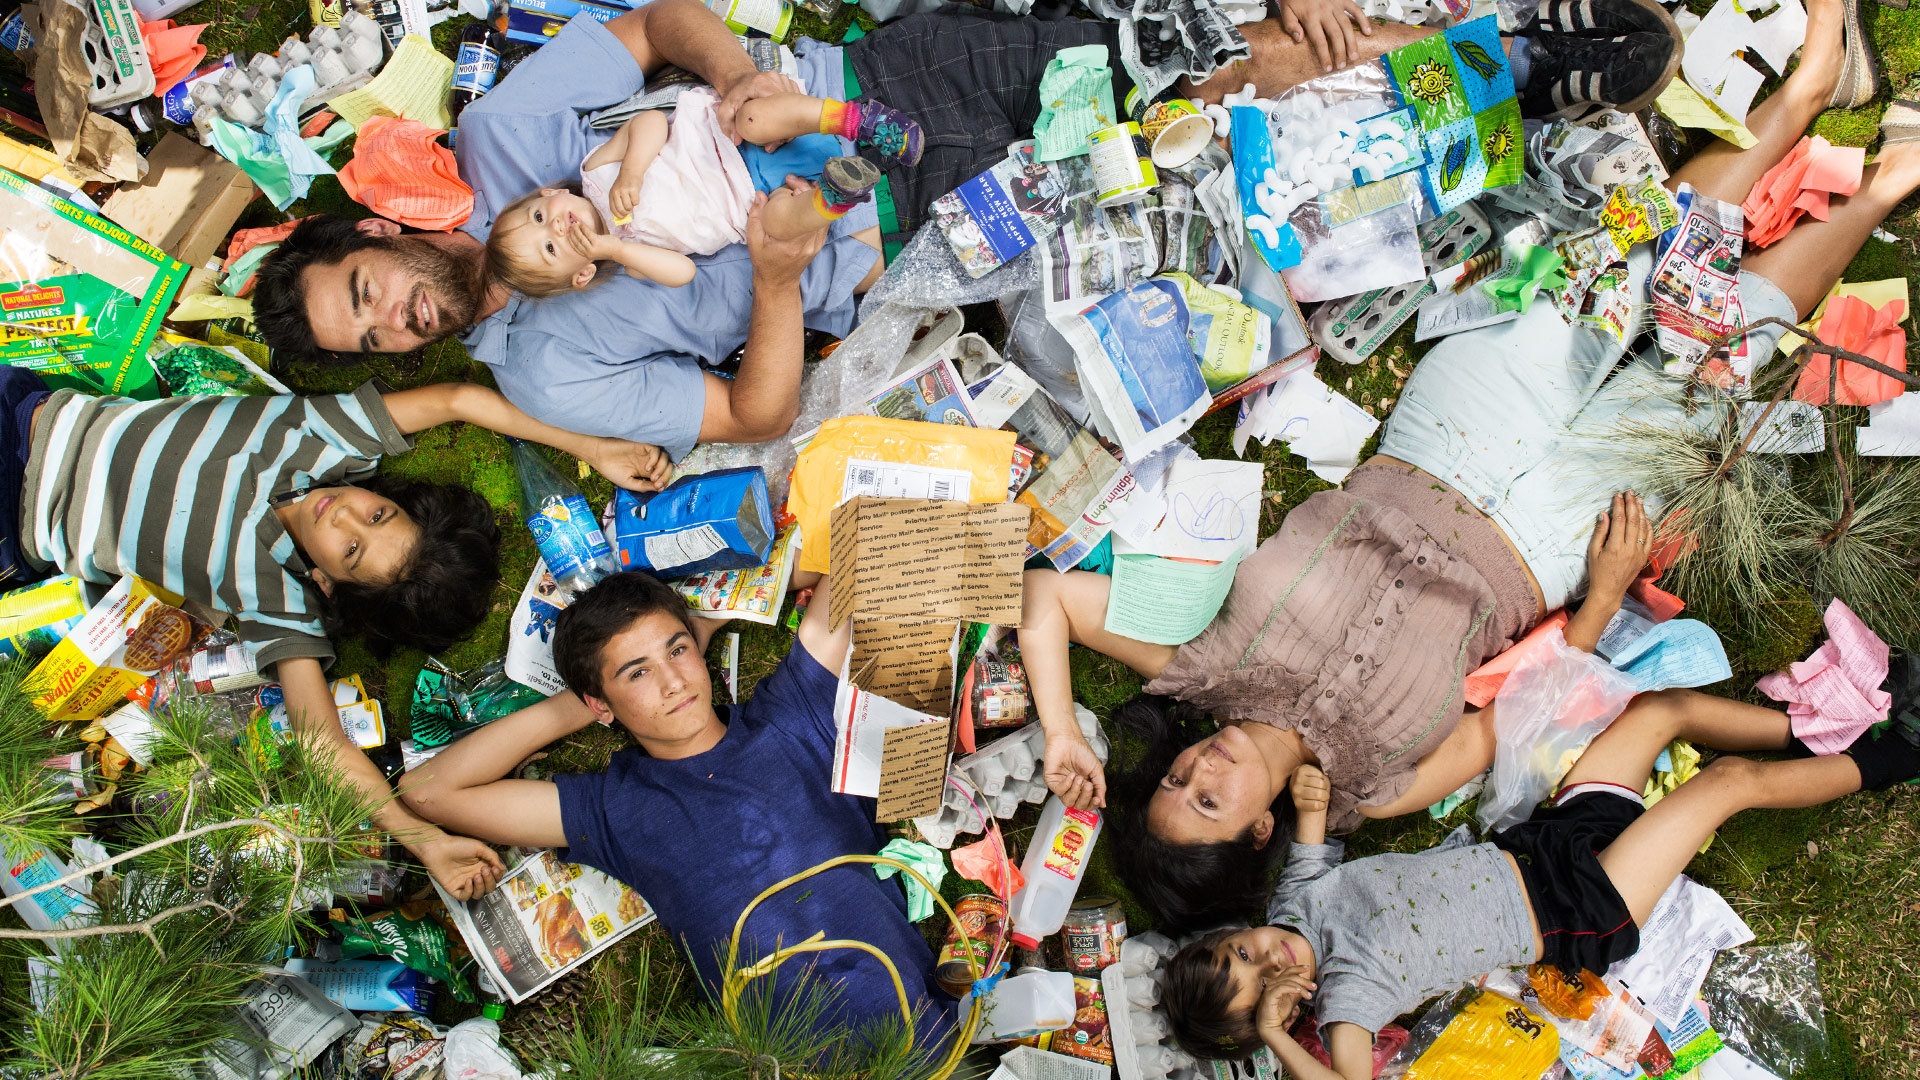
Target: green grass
{"type": "Point", "coordinates": [1840, 877]}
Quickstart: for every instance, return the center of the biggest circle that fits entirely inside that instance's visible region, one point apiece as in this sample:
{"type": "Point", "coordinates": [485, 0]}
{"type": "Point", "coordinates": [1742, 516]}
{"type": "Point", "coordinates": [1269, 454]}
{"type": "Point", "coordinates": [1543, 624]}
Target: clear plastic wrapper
{"type": "Point", "coordinates": [1042, 352]}
{"type": "Point", "coordinates": [1374, 252]}
{"type": "Point", "coordinates": [1549, 709]}
{"type": "Point", "coordinates": [1765, 1003]}
{"type": "Point", "coordinates": [835, 386]}
{"type": "Point", "coordinates": [927, 274]}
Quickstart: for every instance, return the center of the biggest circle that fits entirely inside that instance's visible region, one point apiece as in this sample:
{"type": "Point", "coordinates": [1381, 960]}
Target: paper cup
{"type": "Point", "coordinates": [1122, 172]}
{"type": "Point", "coordinates": [1176, 131]}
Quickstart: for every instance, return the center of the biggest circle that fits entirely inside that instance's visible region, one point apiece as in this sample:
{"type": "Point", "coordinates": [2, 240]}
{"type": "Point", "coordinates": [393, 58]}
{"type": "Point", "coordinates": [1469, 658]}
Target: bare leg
{"type": "Point", "coordinates": [1807, 261]}
{"type": "Point", "coordinates": [1624, 753]}
{"type": "Point", "coordinates": [1642, 861]}
{"type": "Point", "coordinates": [1072, 607]}
{"type": "Point", "coordinates": [1726, 172]}
{"type": "Point", "coordinates": [778, 117]}
{"type": "Point", "coordinates": [1279, 62]}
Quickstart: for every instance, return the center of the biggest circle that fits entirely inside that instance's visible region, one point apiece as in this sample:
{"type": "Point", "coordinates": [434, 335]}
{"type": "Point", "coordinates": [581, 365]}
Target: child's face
{"type": "Point", "coordinates": [540, 234]}
{"type": "Point", "coordinates": [1257, 956]}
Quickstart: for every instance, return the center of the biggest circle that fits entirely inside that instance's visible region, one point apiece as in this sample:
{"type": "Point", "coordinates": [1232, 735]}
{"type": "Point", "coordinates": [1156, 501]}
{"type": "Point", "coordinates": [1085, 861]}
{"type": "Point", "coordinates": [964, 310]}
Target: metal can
{"type": "Point", "coordinates": [999, 694]}
{"type": "Point", "coordinates": [984, 917]}
{"type": "Point", "coordinates": [1091, 934]}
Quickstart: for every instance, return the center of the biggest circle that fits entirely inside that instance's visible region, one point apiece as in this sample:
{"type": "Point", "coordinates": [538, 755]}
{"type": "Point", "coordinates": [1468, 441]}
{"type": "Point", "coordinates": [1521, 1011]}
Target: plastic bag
{"type": "Point", "coordinates": [1034, 344]}
{"type": "Point", "coordinates": [1557, 699]}
{"type": "Point", "coordinates": [927, 274]}
{"type": "Point", "coordinates": [833, 387]}
{"type": "Point", "coordinates": [1475, 1034]}
{"type": "Point", "coordinates": [1765, 1003]}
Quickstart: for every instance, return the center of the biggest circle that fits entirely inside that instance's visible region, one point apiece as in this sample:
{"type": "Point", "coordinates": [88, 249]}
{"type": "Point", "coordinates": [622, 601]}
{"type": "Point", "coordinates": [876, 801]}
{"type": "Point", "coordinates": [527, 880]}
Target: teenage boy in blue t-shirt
{"type": "Point", "coordinates": [714, 806]}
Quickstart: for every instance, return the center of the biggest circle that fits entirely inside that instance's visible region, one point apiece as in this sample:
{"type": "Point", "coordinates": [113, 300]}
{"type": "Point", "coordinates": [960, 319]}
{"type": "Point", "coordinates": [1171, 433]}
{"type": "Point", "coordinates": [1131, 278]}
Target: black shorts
{"type": "Point", "coordinates": [971, 78]}
{"type": "Point", "coordinates": [1583, 921]}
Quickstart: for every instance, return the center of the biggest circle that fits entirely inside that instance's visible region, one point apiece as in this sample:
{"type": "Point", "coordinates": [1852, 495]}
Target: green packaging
{"type": "Point", "coordinates": [447, 704]}
{"type": "Point", "coordinates": [80, 296]}
{"type": "Point", "coordinates": [421, 944]}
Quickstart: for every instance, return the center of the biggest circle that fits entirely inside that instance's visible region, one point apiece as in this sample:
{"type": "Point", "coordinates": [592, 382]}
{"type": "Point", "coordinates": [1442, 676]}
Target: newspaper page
{"type": "Point", "coordinates": [1181, 229]}
{"type": "Point", "coordinates": [1092, 251]}
{"type": "Point", "coordinates": [1695, 280]}
{"type": "Point", "coordinates": [546, 918]}
{"type": "Point", "coordinates": [1137, 366]}
{"type": "Point", "coordinates": [754, 595]}
{"type": "Point", "coordinates": [930, 393]}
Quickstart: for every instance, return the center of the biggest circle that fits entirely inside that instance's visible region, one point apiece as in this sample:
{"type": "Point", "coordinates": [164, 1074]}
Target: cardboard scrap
{"type": "Point", "coordinates": [188, 202]}
{"type": "Point", "coordinates": [908, 570]}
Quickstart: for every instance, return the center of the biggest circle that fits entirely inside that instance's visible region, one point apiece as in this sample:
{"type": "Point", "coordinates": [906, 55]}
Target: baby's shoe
{"type": "Point", "coordinates": [890, 133]}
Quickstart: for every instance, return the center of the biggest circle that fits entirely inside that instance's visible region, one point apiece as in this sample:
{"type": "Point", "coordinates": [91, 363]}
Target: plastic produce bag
{"type": "Point", "coordinates": [1041, 352]}
{"type": "Point", "coordinates": [1474, 1034]}
{"type": "Point", "coordinates": [714, 521]}
{"type": "Point", "coordinates": [927, 274]}
{"type": "Point", "coordinates": [1765, 1003]}
{"type": "Point", "coordinates": [1557, 699]}
{"type": "Point", "coordinates": [836, 386]}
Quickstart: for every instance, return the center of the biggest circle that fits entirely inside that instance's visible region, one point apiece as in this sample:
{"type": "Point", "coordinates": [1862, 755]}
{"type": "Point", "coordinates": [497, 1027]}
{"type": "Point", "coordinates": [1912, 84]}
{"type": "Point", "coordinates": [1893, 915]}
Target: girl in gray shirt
{"type": "Point", "coordinates": [1361, 943]}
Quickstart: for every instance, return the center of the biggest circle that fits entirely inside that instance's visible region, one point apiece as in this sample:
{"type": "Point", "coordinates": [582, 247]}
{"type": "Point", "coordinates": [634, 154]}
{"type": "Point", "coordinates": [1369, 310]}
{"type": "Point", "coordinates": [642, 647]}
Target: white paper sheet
{"type": "Point", "coordinates": [1775, 37]}
{"type": "Point", "coordinates": [1712, 69]}
{"type": "Point", "coordinates": [1794, 427]}
{"type": "Point", "coordinates": [1316, 423]}
{"type": "Point", "coordinates": [1688, 926]}
{"type": "Point", "coordinates": [1208, 510]}
{"type": "Point", "coordinates": [1893, 429]}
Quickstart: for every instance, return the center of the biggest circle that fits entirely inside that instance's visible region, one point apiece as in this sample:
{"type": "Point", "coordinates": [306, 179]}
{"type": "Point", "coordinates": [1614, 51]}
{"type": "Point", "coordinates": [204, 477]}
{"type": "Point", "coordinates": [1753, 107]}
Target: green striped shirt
{"type": "Point", "coordinates": [177, 491]}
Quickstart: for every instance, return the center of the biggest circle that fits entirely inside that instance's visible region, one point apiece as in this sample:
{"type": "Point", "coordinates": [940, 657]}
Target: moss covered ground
{"type": "Point", "coordinates": [1840, 877]}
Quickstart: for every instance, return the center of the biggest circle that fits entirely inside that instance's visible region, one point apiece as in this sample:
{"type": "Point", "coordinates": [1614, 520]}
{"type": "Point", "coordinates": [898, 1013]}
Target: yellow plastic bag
{"type": "Point", "coordinates": [1490, 1038]}
{"type": "Point", "coordinates": [894, 459]}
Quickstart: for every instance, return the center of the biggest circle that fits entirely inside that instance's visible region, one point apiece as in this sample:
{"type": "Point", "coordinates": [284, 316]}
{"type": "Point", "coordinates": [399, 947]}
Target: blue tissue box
{"type": "Point", "coordinates": [714, 521]}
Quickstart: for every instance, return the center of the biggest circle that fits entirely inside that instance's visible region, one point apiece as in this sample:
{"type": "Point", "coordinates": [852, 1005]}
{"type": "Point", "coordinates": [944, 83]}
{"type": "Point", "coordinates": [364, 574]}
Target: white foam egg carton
{"type": "Point", "coordinates": [999, 777]}
{"type": "Point", "coordinates": [343, 58]}
{"type": "Point", "coordinates": [1142, 1038]}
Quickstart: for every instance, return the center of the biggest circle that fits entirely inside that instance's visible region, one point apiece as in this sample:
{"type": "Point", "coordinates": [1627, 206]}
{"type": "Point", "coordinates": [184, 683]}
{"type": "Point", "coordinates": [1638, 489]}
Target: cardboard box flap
{"type": "Point", "coordinates": [928, 558]}
{"type": "Point", "coordinates": [188, 202]}
{"type": "Point", "coordinates": [909, 661]}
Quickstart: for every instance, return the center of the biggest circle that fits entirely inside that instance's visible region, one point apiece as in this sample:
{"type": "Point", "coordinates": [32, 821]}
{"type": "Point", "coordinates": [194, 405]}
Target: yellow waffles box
{"type": "Point", "coordinates": [136, 630]}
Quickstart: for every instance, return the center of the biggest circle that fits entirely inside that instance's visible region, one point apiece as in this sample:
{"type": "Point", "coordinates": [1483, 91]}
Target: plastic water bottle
{"type": "Point", "coordinates": [1056, 860]}
{"type": "Point", "coordinates": [473, 1050]}
{"type": "Point", "coordinates": [563, 525]}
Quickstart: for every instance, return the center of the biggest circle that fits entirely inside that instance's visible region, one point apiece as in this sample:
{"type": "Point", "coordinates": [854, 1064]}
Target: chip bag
{"type": "Point", "coordinates": [1489, 1037]}
{"type": "Point", "coordinates": [713, 521]}
{"type": "Point", "coordinates": [121, 642]}
{"type": "Point", "coordinates": [893, 459]}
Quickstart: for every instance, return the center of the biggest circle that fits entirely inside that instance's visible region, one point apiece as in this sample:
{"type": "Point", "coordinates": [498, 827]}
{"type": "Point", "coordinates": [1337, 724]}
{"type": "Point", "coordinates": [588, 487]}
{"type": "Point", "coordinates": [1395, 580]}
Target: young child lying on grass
{"type": "Point", "coordinates": [662, 189]}
{"type": "Point", "coordinates": [1364, 942]}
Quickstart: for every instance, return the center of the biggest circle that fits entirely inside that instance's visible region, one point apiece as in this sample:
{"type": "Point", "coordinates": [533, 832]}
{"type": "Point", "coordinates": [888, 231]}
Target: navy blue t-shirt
{"type": "Point", "coordinates": [702, 836]}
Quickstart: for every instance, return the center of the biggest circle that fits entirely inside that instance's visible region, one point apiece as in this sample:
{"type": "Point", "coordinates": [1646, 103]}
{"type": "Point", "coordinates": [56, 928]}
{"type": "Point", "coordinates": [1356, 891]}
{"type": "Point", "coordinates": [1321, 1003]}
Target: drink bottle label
{"type": "Point", "coordinates": [567, 535]}
{"type": "Point", "coordinates": [474, 68]}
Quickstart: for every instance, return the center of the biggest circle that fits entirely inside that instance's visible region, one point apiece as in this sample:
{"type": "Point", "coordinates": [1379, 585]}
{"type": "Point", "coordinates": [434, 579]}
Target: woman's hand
{"type": "Point", "coordinates": [465, 867]}
{"type": "Point", "coordinates": [1331, 25]}
{"type": "Point", "coordinates": [636, 466]}
{"type": "Point", "coordinates": [1280, 1002]}
{"type": "Point", "coordinates": [1622, 541]}
{"type": "Point", "coordinates": [1073, 772]}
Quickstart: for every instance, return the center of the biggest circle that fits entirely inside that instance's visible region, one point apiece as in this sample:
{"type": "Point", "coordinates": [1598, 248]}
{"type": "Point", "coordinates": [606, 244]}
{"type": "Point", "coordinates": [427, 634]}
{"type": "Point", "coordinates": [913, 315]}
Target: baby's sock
{"type": "Point", "coordinates": [841, 118]}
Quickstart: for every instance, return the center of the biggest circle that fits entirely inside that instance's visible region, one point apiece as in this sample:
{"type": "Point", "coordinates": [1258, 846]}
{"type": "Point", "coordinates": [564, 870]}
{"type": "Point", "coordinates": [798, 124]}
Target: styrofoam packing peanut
{"type": "Point", "coordinates": [1166, 30]}
{"type": "Point", "coordinates": [1222, 119]}
{"type": "Point", "coordinates": [1271, 176]}
{"type": "Point", "coordinates": [1265, 226]}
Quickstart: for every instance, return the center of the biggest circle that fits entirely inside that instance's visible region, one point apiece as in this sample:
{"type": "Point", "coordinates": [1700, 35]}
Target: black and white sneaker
{"type": "Point", "coordinates": [1605, 18]}
{"type": "Point", "coordinates": [1571, 74]}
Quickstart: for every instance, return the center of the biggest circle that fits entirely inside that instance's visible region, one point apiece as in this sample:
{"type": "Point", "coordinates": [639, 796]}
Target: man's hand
{"type": "Point", "coordinates": [1622, 541]}
{"type": "Point", "coordinates": [463, 866]}
{"type": "Point", "coordinates": [624, 195]}
{"type": "Point", "coordinates": [1330, 25]}
{"type": "Point", "coordinates": [1073, 772]}
{"type": "Point", "coordinates": [749, 85]}
{"type": "Point", "coordinates": [778, 263]}
{"type": "Point", "coordinates": [636, 466]}
{"type": "Point", "coordinates": [1280, 1002]}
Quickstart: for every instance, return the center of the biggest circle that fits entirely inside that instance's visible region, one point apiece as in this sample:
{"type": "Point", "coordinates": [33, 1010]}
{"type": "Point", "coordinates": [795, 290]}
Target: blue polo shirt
{"type": "Point", "coordinates": [702, 836]}
{"type": "Point", "coordinates": [623, 358]}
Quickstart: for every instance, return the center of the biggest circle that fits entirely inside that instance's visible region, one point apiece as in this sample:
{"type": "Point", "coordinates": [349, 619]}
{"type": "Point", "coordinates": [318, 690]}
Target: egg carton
{"type": "Point", "coordinates": [115, 55]}
{"type": "Point", "coordinates": [999, 777]}
{"type": "Point", "coordinates": [343, 58]}
{"type": "Point", "coordinates": [1136, 1024]}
